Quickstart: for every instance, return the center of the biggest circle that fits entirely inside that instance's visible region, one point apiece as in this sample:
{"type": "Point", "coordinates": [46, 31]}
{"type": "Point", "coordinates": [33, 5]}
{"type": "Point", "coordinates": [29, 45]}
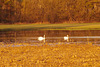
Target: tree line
{"type": "Point", "coordinates": [53, 11]}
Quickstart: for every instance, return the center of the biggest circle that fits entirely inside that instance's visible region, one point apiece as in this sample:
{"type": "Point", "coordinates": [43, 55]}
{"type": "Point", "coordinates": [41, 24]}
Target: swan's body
{"type": "Point", "coordinates": [66, 37]}
{"type": "Point", "coordinates": [41, 38]}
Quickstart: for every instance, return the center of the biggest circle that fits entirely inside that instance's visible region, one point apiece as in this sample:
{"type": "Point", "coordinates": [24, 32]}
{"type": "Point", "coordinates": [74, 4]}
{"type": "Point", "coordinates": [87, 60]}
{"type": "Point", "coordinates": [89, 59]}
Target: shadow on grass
{"type": "Point", "coordinates": [1, 30]}
{"type": "Point", "coordinates": [33, 29]}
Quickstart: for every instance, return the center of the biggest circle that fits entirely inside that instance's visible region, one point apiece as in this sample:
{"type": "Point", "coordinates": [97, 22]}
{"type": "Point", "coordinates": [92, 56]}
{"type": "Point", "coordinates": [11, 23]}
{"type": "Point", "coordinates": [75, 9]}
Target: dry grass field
{"type": "Point", "coordinates": [50, 56]}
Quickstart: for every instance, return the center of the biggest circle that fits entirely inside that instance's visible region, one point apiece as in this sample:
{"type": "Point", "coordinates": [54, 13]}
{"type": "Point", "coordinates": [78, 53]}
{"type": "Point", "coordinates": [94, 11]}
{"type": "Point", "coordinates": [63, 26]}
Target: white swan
{"type": "Point", "coordinates": [66, 37]}
{"type": "Point", "coordinates": [41, 38]}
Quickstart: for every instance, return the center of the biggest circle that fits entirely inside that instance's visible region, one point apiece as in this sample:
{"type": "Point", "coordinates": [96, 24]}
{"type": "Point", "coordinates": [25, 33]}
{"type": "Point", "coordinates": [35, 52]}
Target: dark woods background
{"type": "Point", "coordinates": [53, 11]}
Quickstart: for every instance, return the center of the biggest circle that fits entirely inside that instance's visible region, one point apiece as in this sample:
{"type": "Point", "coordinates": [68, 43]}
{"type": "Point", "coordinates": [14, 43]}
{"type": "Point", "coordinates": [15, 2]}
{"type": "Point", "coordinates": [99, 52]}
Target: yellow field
{"type": "Point", "coordinates": [50, 56]}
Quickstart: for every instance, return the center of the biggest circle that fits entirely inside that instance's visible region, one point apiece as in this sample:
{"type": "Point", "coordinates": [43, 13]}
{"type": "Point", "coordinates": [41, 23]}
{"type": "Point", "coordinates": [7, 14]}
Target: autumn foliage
{"type": "Point", "coordinates": [53, 11]}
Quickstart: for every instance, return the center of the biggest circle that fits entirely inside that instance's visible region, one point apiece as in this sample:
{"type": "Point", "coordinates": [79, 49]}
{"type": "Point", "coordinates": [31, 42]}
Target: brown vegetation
{"type": "Point", "coordinates": [53, 11]}
{"type": "Point", "coordinates": [51, 56]}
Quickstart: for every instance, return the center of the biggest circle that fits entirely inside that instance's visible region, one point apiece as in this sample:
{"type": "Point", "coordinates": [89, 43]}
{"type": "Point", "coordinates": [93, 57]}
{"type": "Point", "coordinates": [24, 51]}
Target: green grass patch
{"type": "Point", "coordinates": [74, 26]}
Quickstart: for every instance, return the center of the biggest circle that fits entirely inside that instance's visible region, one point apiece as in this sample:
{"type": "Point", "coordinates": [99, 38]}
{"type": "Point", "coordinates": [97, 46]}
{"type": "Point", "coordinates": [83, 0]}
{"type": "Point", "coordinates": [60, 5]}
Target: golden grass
{"type": "Point", "coordinates": [51, 56]}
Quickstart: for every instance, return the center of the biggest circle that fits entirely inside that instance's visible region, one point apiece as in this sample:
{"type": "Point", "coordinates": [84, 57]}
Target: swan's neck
{"type": "Point", "coordinates": [44, 36]}
{"type": "Point", "coordinates": [44, 39]}
{"type": "Point", "coordinates": [67, 35]}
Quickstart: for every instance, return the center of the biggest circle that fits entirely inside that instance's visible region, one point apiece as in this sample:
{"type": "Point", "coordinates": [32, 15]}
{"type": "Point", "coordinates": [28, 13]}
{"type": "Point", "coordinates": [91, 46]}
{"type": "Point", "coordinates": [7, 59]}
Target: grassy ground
{"type": "Point", "coordinates": [51, 56]}
{"type": "Point", "coordinates": [74, 26]}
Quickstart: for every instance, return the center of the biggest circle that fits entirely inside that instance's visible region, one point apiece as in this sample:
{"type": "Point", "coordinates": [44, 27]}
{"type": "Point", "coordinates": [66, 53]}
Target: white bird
{"type": "Point", "coordinates": [66, 37]}
{"type": "Point", "coordinates": [41, 38]}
